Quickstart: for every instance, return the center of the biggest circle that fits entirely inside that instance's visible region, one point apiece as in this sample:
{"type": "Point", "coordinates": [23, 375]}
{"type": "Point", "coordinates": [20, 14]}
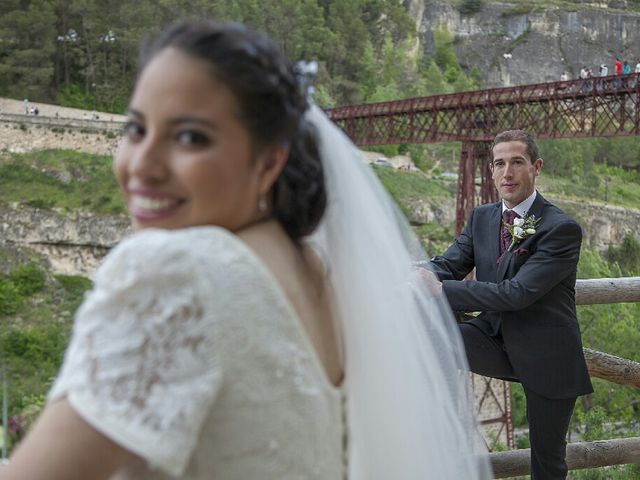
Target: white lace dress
{"type": "Point", "coordinates": [187, 353]}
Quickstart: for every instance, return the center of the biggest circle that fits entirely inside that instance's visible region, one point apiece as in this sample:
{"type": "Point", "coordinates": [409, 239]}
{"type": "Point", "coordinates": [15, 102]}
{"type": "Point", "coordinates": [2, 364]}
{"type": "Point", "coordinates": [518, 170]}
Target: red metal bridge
{"type": "Point", "coordinates": [594, 107]}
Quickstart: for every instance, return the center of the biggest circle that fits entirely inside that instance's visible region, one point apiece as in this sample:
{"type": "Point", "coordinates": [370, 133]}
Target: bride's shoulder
{"type": "Point", "coordinates": [158, 253]}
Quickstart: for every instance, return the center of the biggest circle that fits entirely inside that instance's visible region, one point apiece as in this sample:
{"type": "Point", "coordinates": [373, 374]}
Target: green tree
{"type": "Point", "coordinates": [627, 255]}
{"type": "Point", "coordinates": [27, 48]}
{"type": "Point", "coordinates": [470, 7]}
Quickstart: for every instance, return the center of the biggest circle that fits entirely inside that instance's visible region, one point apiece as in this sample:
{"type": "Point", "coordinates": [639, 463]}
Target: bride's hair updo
{"type": "Point", "coordinates": [272, 106]}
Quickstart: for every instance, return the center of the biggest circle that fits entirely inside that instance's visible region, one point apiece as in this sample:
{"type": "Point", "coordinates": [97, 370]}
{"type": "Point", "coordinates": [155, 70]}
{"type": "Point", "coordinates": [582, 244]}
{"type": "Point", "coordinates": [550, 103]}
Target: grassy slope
{"type": "Point", "coordinates": [62, 179]}
{"type": "Point", "coordinates": [36, 312]}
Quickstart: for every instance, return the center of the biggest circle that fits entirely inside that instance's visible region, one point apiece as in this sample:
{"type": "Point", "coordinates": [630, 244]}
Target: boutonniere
{"type": "Point", "coordinates": [522, 228]}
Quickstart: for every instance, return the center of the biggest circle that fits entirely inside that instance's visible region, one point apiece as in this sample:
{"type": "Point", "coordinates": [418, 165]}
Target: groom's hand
{"type": "Point", "coordinates": [428, 279]}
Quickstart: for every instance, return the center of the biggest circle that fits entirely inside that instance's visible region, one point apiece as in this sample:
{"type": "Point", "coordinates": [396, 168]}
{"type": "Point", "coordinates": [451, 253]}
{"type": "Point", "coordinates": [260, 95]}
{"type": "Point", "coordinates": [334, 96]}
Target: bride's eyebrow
{"type": "Point", "coordinates": [203, 122]}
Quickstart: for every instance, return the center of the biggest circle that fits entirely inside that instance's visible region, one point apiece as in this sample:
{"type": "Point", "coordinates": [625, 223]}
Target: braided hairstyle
{"type": "Point", "coordinates": [272, 105]}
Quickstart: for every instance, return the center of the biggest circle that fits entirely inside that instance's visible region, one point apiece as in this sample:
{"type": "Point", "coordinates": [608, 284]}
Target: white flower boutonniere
{"type": "Point", "coordinates": [522, 228]}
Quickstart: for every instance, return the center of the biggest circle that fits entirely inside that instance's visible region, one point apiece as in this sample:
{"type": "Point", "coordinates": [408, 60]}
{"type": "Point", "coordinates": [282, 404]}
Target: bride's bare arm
{"type": "Point", "coordinates": [62, 446]}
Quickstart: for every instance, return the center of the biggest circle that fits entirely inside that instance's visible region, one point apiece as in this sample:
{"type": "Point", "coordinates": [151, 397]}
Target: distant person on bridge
{"type": "Point", "coordinates": [604, 70]}
{"type": "Point", "coordinates": [617, 67]}
{"type": "Point", "coordinates": [525, 253]}
{"type": "Point", "coordinates": [584, 73]}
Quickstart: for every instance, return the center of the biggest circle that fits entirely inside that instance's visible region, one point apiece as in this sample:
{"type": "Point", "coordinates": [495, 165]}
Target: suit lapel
{"type": "Point", "coordinates": [503, 266]}
{"type": "Point", "coordinates": [494, 232]}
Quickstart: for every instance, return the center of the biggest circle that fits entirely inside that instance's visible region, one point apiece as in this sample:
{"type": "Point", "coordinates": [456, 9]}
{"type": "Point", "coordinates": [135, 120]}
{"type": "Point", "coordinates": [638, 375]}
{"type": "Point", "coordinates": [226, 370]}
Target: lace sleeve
{"type": "Point", "coordinates": [141, 366]}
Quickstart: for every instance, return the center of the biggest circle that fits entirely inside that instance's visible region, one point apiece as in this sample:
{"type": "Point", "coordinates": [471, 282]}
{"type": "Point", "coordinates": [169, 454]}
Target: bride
{"type": "Point", "coordinates": [262, 322]}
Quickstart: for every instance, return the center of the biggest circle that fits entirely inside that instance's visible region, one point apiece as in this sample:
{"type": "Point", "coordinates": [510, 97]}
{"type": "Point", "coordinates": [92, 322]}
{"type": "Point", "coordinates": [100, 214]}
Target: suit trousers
{"type": "Point", "coordinates": [548, 418]}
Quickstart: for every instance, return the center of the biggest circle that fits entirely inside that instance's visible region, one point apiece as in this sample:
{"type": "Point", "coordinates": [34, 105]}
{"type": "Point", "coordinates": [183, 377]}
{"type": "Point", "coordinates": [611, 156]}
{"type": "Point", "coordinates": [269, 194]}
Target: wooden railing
{"type": "Point", "coordinates": [601, 365]}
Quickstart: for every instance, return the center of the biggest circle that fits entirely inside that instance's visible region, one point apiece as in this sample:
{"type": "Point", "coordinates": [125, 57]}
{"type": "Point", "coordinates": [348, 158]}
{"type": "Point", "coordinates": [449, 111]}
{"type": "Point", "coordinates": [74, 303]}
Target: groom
{"type": "Point", "coordinates": [525, 277]}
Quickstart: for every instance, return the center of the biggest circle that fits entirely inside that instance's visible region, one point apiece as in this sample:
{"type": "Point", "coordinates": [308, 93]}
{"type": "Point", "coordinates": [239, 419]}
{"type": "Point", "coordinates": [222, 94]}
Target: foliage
{"type": "Point", "coordinates": [470, 7]}
{"type": "Point", "coordinates": [27, 278]}
{"type": "Point", "coordinates": [23, 280]}
{"type": "Point", "coordinates": [627, 255]}
{"type": "Point", "coordinates": [33, 356]}
{"type": "Point", "coordinates": [82, 53]}
{"type": "Point", "coordinates": [583, 179]}
{"type": "Point", "coordinates": [60, 178]}
{"type": "Point", "coordinates": [20, 423]}
{"type": "Point", "coordinates": [74, 287]}
{"type": "Point", "coordinates": [10, 299]}
{"type": "Point", "coordinates": [406, 186]}
{"type": "Point", "coordinates": [35, 330]}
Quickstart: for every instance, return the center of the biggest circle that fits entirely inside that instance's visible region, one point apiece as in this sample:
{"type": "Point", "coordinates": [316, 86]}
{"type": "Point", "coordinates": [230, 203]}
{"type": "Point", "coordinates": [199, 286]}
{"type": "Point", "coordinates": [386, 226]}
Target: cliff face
{"type": "Point", "coordinates": [73, 243]}
{"type": "Point", "coordinates": [540, 44]}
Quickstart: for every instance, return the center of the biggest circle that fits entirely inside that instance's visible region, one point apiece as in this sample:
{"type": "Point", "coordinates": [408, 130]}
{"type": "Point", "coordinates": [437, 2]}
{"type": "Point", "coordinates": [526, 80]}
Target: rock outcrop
{"type": "Point", "coordinates": [519, 44]}
{"type": "Point", "coordinates": [73, 243]}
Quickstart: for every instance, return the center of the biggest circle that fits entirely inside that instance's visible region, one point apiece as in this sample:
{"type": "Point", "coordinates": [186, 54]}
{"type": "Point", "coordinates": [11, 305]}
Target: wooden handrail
{"type": "Point", "coordinates": [611, 368]}
{"type": "Point", "coordinates": [580, 455]}
{"type": "Point", "coordinates": [607, 290]}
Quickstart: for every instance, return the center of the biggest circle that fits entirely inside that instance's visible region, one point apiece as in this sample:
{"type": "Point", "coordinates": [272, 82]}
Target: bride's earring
{"type": "Point", "coordinates": [262, 204]}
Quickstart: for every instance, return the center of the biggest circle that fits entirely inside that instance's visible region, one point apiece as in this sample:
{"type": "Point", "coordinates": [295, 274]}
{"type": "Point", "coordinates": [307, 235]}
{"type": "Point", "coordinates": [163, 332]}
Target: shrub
{"type": "Point", "coordinates": [627, 255]}
{"type": "Point", "coordinates": [10, 298]}
{"type": "Point", "coordinates": [469, 7]}
{"type": "Point", "coordinates": [27, 278]}
{"type": "Point", "coordinates": [39, 203]}
{"type": "Point", "coordinates": [74, 285]}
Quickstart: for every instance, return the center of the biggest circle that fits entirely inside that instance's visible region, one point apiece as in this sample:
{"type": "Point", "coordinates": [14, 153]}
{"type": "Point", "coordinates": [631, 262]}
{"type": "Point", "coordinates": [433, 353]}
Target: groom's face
{"type": "Point", "coordinates": [514, 173]}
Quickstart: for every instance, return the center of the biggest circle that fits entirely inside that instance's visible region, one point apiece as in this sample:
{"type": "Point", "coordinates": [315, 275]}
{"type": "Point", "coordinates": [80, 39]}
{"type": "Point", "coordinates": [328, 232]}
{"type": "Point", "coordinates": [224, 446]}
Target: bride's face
{"type": "Point", "coordinates": [185, 158]}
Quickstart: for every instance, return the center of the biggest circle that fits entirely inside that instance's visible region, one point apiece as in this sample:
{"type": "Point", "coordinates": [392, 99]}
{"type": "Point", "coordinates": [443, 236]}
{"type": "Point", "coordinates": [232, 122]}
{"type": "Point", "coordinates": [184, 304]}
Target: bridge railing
{"type": "Point", "coordinates": [601, 365]}
{"type": "Point", "coordinates": [493, 96]}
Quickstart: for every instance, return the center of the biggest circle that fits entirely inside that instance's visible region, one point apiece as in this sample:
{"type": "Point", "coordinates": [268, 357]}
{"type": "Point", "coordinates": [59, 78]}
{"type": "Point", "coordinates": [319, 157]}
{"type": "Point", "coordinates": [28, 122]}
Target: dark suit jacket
{"type": "Point", "coordinates": [529, 296]}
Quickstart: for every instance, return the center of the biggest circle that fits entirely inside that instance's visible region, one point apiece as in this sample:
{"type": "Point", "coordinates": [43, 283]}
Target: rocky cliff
{"type": "Point", "coordinates": [517, 44]}
{"type": "Point", "coordinates": [75, 243]}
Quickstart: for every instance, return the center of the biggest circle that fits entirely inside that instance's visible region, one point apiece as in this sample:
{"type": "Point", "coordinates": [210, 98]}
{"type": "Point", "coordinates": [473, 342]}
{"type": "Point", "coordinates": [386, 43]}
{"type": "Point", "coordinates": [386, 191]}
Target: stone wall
{"type": "Point", "coordinates": [32, 136]}
{"type": "Point", "coordinates": [57, 127]}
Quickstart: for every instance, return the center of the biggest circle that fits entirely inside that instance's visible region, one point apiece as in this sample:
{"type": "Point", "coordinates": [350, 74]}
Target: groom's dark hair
{"type": "Point", "coordinates": [519, 136]}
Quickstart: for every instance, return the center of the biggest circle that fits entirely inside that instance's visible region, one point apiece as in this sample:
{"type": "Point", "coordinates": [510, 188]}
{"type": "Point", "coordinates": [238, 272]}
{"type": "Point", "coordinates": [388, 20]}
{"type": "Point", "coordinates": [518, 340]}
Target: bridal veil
{"type": "Point", "coordinates": [409, 407]}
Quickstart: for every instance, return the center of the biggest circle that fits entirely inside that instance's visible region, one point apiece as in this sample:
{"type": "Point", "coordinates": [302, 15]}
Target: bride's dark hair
{"type": "Point", "coordinates": [272, 107]}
